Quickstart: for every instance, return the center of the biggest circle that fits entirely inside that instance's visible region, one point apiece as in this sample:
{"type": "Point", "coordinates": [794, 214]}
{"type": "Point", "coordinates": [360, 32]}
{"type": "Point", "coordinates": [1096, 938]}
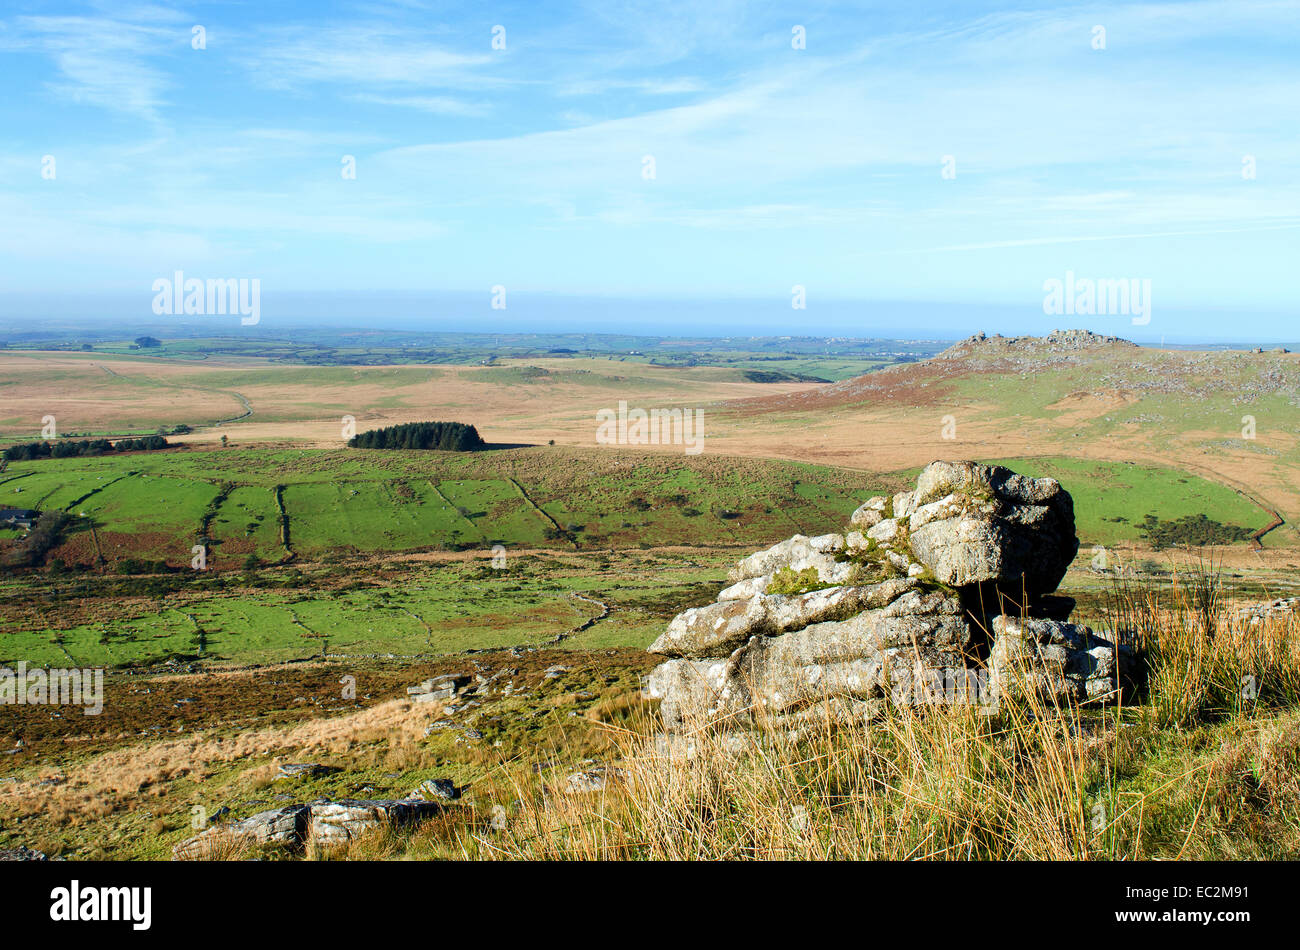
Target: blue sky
{"type": "Point", "coordinates": [774, 166]}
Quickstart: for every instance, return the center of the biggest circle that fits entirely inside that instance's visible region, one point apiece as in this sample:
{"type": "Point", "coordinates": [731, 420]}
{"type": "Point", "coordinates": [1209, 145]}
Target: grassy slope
{"type": "Point", "coordinates": [1106, 491]}
{"type": "Point", "coordinates": [371, 501]}
{"type": "Point", "coordinates": [352, 502]}
{"type": "Point", "coordinates": [413, 609]}
{"type": "Point", "coordinates": [366, 501]}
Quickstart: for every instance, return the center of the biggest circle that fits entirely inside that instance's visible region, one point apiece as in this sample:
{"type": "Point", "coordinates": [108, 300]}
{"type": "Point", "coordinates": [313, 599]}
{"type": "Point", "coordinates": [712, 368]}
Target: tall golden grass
{"type": "Point", "coordinates": [1215, 726]}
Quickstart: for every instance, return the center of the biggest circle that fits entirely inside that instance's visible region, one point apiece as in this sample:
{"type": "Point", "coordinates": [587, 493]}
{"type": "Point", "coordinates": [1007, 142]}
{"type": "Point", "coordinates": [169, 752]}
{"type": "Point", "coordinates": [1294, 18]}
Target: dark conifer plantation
{"type": "Point", "coordinates": [447, 436]}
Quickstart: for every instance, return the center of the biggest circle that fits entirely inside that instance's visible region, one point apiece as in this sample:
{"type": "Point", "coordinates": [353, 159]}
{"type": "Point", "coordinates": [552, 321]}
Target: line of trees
{"type": "Point", "coordinates": [448, 436]}
{"type": "Point", "coordinates": [70, 448]}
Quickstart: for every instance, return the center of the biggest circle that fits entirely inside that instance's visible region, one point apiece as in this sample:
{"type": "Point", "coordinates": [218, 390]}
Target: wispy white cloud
{"type": "Point", "coordinates": [1131, 236]}
{"type": "Point", "coordinates": [108, 61]}
{"type": "Point", "coordinates": [650, 87]}
{"type": "Point", "coordinates": [364, 54]}
{"type": "Point", "coordinates": [438, 105]}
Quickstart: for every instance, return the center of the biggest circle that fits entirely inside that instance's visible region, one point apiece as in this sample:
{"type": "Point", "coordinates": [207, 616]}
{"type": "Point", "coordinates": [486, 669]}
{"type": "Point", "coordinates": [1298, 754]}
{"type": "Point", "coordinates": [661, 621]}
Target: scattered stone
{"type": "Point", "coordinates": [593, 779]}
{"type": "Point", "coordinates": [436, 789]}
{"type": "Point", "coordinates": [437, 688]}
{"type": "Point", "coordinates": [1280, 609]}
{"type": "Point", "coordinates": [554, 672]}
{"type": "Point", "coordinates": [799, 818]}
{"type": "Point", "coordinates": [305, 770]}
{"type": "Point", "coordinates": [22, 853]}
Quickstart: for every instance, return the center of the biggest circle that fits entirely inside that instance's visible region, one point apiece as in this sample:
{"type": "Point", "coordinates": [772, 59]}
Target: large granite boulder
{"type": "Point", "coordinates": [923, 589]}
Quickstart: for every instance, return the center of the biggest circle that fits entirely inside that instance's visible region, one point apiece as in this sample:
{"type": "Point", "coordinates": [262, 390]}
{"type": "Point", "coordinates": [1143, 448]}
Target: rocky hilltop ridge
{"type": "Point", "coordinates": [1056, 341]}
{"type": "Point", "coordinates": [948, 584]}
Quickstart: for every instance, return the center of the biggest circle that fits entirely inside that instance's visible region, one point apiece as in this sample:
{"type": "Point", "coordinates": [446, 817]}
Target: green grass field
{"type": "Point", "coordinates": [359, 501]}
{"type": "Point", "coordinates": [596, 510]}
{"type": "Point", "coordinates": [408, 610]}
{"type": "Point", "coordinates": [1112, 498]}
{"type": "Point", "coordinates": [153, 505]}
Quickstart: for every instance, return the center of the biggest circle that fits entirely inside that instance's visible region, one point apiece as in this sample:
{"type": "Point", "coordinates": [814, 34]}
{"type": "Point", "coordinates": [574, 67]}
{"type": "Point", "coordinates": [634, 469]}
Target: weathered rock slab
{"type": "Point", "coordinates": [1058, 662]}
{"type": "Point", "coordinates": [797, 553]}
{"type": "Point", "coordinates": [870, 513]}
{"type": "Point", "coordinates": [719, 628]}
{"type": "Point", "coordinates": [832, 660]}
{"type": "Point", "coordinates": [287, 826]}
{"type": "Point", "coordinates": [341, 821]}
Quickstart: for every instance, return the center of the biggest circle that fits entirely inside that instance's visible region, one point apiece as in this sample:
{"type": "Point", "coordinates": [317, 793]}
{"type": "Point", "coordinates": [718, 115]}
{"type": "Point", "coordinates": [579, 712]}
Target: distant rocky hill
{"type": "Point", "coordinates": [1234, 378]}
{"type": "Point", "coordinates": [1231, 416]}
{"type": "Point", "coordinates": [1056, 341]}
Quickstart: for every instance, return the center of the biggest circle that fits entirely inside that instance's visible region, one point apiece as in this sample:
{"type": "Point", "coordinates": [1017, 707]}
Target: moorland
{"type": "Point", "coordinates": [231, 581]}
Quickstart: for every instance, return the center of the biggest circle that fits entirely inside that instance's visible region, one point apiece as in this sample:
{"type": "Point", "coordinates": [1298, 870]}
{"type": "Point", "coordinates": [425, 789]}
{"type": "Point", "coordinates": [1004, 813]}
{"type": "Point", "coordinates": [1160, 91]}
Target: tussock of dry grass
{"type": "Point", "coordinates": [106, 782]}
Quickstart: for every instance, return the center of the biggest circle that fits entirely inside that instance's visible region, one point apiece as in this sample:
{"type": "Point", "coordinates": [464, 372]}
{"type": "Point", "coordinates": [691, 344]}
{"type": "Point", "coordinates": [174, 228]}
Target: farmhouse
{"type": "Point", "coordinates": [18, 517]}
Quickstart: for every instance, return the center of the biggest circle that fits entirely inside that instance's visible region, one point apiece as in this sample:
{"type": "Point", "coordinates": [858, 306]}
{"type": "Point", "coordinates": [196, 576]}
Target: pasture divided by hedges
{"type": "Point", "coordinates": [362, 501]}
{"type": "Point", "coordinates": [355, 501]}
